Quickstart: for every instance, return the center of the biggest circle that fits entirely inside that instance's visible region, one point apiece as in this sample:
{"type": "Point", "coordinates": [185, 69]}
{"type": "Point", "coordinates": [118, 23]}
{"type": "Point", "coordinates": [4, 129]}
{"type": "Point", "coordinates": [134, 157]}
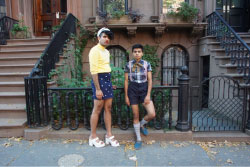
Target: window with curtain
{"type": "Point", "coordinates": [118, 56]}
{"type": "Point", "coordinates": [172, 59]}
{"type": "Point", "coordinates": [2, 8]}
{"type": "Point", "coordinates": [171, 5]}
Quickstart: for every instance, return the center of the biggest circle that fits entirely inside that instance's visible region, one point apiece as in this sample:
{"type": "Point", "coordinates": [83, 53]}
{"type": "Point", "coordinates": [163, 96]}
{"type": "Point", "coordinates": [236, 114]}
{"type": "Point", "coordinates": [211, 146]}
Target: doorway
{"type": "Point", "coordinates": [48, 13]}
{"type": "Point", "coordinates": [236, 13]}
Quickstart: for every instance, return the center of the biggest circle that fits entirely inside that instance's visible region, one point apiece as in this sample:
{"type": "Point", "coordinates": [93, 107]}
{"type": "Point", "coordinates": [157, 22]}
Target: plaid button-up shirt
{"type": "Point", "coordinates": [137, 76]}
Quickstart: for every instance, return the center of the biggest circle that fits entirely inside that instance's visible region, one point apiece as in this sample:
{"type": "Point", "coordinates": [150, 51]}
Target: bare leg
{"type": "Point", "coordinates": [150, 111]}
{"type": "Point", "coordinates": [135, 110]}
{"type": "Point", "coordinates": [107, 116]}
{"type": "Point", "coordinates": [98, 105]}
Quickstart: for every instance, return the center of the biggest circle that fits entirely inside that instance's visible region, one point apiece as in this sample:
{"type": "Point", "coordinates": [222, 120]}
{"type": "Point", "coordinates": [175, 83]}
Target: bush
{"type": "Point", "coordinates": [186, 12]}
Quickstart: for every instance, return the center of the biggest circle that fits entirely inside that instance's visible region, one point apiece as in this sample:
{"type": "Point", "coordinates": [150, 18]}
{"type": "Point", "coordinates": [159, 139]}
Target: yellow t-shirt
{"type": "Point", "coordinates": [99, 60]}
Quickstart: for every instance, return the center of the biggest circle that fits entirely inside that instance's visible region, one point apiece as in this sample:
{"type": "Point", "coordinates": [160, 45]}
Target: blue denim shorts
{"type": "Point", "coordinates": [105, 85]}
{"type": "Point", "coordinates": [137, 92]}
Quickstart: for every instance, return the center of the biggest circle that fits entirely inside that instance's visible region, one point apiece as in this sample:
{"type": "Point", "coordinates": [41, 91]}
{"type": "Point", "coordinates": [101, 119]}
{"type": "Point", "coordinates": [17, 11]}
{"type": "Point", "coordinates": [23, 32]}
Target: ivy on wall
{"type": "Point", "coordinates": [70, 74]}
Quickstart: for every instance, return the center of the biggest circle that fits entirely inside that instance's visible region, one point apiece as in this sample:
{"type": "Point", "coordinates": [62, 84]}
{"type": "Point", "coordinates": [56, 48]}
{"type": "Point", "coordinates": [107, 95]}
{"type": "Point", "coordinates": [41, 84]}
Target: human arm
{"type": "Point", "coordinates": [99, 93]}
{"type": "Point", "coordinates": [126, 89]}
{"type": "Point", "coordinates": [147, 98]}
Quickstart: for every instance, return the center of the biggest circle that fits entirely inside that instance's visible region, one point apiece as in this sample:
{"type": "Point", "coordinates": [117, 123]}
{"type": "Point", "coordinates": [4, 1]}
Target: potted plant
{"type": "Point", "coordinates": [185, 12]}
{"type": "Point", "coordinates": [135, 15]}
{"type": "Point", "coordinates": [20, 31]}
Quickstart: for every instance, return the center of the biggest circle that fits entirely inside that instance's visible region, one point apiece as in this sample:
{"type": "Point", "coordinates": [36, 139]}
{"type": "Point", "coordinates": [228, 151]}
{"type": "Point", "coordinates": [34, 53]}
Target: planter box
{"type": "Point", "coordinates": [123, 20]}
{"type": "Point", "coordinates": [172, 19]}
{"type": "Point", "coordinates": [20, 35]}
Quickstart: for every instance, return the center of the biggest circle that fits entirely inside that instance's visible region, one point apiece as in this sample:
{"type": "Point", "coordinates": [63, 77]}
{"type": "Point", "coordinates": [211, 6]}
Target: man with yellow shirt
{"type": "Point", "coordinates": [99, 60]}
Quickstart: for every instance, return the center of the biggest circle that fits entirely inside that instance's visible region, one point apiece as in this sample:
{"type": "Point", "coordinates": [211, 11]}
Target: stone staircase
{"type": "Point", "coordinates": [220, 64]}
{"type": "Point", "coordinates": [17, 59]}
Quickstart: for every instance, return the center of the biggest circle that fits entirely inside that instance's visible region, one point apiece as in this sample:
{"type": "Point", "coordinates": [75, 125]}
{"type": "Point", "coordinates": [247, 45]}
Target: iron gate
{"type": "Point", "coordinates": [218, 104]}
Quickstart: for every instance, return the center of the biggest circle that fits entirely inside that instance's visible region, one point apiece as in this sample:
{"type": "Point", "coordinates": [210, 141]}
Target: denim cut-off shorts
{"type": "Point", "coordinates": [137, 92]}
{"type": "Point", "coordinates": [105, 85]}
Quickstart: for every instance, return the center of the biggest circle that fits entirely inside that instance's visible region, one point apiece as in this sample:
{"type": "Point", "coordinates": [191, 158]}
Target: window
{"type": "Point", "coordinates": [2, 8]}
{"type": "Point", "coordinates": [173, 58]}
{"type": "Point", "coordinates": [171, 5]}
{"type": "Point", "coordinates": [107, 5]}
{"type": "Point", "coordinates": [119, 57]}
{"type": "Point", "coordinates": [46, 6]}
{"type": "Point", "coordinates": [63, 6]}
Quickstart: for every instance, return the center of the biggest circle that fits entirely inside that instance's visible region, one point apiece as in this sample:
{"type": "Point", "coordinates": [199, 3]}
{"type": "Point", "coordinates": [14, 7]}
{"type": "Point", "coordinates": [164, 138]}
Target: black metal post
{"type": "Point", "coordinates": [183, 95]}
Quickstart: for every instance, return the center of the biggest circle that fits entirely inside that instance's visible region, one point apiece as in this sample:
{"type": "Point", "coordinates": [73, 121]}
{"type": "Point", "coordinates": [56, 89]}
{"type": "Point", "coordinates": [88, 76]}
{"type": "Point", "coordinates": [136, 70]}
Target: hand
{"type": "Point", "coordinates": [114, 87]}
{"type": "Point", "coordinates": [127, 101]}
{"type": "Point", "coordinates": [99, 94]}
{"type": "Point", "coordinates": [147, 100]}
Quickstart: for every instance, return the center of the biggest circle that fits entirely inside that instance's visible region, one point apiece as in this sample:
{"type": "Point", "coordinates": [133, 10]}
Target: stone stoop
{"type": "Point", "coordinates": [128, 135]}
{"type": "Point", "coordinates": [220, 64]}
{"type": "Point", "coordinates": [17, 59]}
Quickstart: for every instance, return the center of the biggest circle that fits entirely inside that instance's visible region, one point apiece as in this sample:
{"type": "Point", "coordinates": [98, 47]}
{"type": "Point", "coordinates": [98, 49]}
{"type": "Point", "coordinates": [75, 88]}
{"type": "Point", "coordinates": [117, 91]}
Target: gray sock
{"type": "Point", "coordinates": [137, 131]}
{"type": "Point", "coordinates": [143, 122]}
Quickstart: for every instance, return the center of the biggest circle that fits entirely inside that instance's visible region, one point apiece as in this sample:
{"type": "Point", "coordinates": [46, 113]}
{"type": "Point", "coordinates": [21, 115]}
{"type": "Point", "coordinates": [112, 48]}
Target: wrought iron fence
{"type": "Point", "coordinates": [235, 47]}
{"type": "Point", "coordinates": [222, 108]}
{"type": "Point", "coordinates": [36, 82]}
{"type": "Point", "coordinates": [72, 108]}
{"type": "Point", "coordinates": [6, 24]}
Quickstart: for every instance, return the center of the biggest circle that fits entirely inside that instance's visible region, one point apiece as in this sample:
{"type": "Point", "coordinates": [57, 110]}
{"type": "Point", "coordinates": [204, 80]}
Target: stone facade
{"type": "Point", "coordinates": [162, 35]}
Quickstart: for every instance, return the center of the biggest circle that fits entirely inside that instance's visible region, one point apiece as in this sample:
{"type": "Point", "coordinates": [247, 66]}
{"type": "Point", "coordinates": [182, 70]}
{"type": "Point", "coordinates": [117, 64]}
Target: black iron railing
{"type": "Point", "coordinates": [234, 46]}
{"type": "Point", "coordinates": [6, 24]}
{"type": "Point", "coordinates": [72, 107]}
{"type": "Point", "coordinates": [221, 108]}
{"type": "Point", "coordinates": [36, 82]}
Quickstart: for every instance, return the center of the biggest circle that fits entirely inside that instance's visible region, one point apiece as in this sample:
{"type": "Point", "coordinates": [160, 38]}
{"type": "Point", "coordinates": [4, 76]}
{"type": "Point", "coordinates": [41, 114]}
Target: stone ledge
{"type": "Point", "coordinates": [121, 135]}
{"type": "Point", "coordinates": [221, 136]}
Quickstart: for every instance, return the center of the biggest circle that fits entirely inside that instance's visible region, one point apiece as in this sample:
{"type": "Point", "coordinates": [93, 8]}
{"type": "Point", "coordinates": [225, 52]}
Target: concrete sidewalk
{"type": "Point", "coordinates": [48, 152]}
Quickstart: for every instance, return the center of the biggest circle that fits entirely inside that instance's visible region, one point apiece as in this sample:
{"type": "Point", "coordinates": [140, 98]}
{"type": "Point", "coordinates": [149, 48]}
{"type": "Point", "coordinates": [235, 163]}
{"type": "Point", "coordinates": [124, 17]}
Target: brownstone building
{"type": "Point", "coordinates": [178, 43]}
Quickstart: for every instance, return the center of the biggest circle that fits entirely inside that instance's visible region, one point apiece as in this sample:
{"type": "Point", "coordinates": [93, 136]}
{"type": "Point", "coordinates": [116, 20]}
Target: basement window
{"type": "Point", "coordinates": [118, 56]}
{"type": "Point", "coordinates": [173, 58]}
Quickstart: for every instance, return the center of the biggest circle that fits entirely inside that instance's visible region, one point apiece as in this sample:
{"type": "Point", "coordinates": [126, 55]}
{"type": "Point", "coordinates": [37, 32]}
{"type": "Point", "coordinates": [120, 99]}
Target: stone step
{"type": "Point", "coordinates": [13, 111]}
{"type": "Point", "coordinates": [11, 77]}
{"type": "Point", "coordinates": [11, 123]}
{"type": "Point", "coordinates": [15, 68]}
{"type": "Point", "coordinates": [12, 98]}
{"type": "Point", "coordinates": [232, 68]}
{"type": "Point", "coordinates": [18, 60]}
{"type": "Point", "coordinates": [16, 86]}
{"type": "Point", "coordinates": [28, 41]}
{"type": "Point", "coordinates": [12, 127]}
{"type": "Point", "coordinates": [216, 45]}
{"type": "Point", "coordinates": [236, 76]}
{"type": "Point", "coordinates": [12, 86]}
{"type": "Point", "coordinates": [23, 47]}
{"type": "Point", "coordinates": [21, 53]}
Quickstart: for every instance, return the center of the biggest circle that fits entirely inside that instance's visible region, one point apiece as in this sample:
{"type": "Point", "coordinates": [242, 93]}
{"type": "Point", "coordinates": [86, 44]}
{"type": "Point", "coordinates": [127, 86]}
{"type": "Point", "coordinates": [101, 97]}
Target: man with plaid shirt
{"type": "Point", "coordinates": [138, 86]}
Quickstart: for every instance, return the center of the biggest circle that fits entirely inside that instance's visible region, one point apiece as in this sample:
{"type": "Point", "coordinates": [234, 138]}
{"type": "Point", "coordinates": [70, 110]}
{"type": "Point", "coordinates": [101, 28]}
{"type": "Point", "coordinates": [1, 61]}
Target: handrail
{"type": "Point", "coordinates": [234, 45]}
{"type": "Point", "coordinates": [51, 54]}
{"type": "Point", "coordinates": [6, 24]}
{"type": "Point", "coordinates": [36, 83]}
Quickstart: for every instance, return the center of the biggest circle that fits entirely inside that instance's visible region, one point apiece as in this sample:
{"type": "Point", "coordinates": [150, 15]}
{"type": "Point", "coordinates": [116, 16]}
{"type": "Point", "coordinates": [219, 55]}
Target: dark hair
{"type": "Point", "coordinates": [108, 33]}
{"type": "Point", "coordinates": [136, 46]}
